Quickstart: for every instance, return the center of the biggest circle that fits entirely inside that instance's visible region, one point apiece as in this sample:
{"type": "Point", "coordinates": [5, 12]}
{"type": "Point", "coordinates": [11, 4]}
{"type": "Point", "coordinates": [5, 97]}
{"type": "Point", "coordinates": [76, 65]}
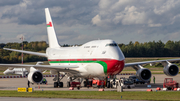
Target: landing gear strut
{"type": "Point", "coordinates": [58, 83]}
{"type": "Point", "coordinates": [69, 82]}
{"type": "Point", "coordinates": [28, 83]}
{"type": "Point", "coordinates": [87, 83]}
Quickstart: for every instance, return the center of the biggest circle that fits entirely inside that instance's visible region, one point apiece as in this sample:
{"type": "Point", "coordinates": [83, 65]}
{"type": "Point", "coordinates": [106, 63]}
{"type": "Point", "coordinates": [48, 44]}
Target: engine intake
{"type": "Point", "coordinates": [143, 74]}
{"type": "Point", "coordinates": [35, 76]}
{"type": "Point", "coordinates": [171, 69]}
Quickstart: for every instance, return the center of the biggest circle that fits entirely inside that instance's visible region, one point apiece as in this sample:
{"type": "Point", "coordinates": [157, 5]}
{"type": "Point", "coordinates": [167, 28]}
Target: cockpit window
{"type": "Point", "coordinates": [111, 44]}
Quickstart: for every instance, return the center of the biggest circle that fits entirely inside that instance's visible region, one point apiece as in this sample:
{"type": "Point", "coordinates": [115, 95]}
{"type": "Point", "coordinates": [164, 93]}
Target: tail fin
{"type": "Point", "coordinates": [53, 42]}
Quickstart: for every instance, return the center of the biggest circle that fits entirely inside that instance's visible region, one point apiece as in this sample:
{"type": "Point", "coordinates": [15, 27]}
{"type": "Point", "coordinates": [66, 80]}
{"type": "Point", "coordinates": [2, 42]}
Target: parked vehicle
{"type": "Point", "coordinates": [76, 84]}
{"type": "Point", "coordinates": [98, 83]}
{"type": "Point", "coordinates": [136, 80]}
{"type": "Point", "coordinates": [170, 84]}
{"type": "Point", "coordinates": [124, 82]}
{"type": "Point", "coordinates": [114, 83]}
{"type": "Point", "coordinates": [127, 83]}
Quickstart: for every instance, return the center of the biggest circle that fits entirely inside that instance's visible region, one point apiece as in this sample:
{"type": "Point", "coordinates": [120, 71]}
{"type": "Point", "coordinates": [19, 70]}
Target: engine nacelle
{"type": "Point", "coordinates": [35, 76]}
{"type": "Point", "coordinates": [171, 69]}
{"type": "Point", "coordinates": [143, 74]}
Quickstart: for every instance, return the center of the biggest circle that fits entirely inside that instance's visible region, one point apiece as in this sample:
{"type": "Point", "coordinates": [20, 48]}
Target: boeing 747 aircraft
{"type": "Point", "coordinates": [94, 59]}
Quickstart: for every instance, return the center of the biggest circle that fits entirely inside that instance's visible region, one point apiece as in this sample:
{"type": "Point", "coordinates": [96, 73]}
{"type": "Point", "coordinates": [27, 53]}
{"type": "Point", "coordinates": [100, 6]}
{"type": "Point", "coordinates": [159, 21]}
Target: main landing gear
{"type": "Point", "coordinates": [58, 83]}
{"type": "Point", "coordinates": [87, 83]}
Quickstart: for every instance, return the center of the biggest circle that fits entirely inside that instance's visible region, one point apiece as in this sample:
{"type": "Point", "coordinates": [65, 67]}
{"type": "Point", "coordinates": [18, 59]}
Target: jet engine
{"type": "Point", "coordinates": [143, 74]}
{"type": "Point", "coordinates": [35, 76]}
{"type": "Point", "coordinates": [171, 69]}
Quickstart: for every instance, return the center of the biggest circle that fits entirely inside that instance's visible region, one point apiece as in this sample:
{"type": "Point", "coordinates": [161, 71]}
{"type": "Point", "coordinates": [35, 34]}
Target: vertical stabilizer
{"type": "Point", "coordinates": [53, 42]}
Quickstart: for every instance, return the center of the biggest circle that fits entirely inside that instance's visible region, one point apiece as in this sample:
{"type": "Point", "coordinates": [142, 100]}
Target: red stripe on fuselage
{"type": "Point", "coordinates": [79, 59]}
{"type": "Point", "coordinates": [113, 66]}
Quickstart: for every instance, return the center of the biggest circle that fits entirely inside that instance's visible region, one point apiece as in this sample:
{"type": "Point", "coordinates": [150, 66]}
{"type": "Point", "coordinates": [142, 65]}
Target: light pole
{"type": "Point", "coordinates": [22, 48]}
{"type": "Point", "coordinates": [22, 55]}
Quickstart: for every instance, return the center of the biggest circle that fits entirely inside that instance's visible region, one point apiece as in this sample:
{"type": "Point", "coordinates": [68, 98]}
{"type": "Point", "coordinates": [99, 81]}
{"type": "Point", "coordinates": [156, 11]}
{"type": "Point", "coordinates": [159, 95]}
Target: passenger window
{"type": "Point", "coordinates": [93, 46]}
{"type": "Point", "coordinates": [86, 46]}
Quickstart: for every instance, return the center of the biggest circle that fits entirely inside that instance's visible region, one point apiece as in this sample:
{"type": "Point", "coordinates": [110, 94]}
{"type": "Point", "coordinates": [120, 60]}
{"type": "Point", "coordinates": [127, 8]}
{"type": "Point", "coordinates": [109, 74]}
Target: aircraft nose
{"type": "Point", "coordinates": [116, 53]}
{"type": "Point", "coordinates": [5, 72]}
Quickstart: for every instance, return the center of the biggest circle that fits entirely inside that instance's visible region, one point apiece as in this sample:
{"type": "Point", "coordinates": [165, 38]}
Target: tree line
{"type": "Point", "coordinates": [151, 49]}
{"type": "Point", "coordinates": [15, 57]}
{"type": "Point", "coordinates": [146, 49]}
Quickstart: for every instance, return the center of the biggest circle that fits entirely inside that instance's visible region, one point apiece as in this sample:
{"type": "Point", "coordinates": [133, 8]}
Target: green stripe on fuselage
{"type": "Point", "coordinates": [100, 62]}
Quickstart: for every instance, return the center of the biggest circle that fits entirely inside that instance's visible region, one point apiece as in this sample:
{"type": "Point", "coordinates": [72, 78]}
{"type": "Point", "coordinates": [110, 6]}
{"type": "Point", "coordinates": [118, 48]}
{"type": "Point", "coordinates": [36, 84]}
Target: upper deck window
{"type": "Point", "coordinates": [86, 46]}
{"type": "Point", "coordinates": [111, 44]}
{"type": "Point", "coordinates": [93, 46]}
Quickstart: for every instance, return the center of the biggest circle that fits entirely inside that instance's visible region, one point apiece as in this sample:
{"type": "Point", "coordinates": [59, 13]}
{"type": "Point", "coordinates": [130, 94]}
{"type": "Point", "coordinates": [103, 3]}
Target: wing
{"type": "Point", "coordinates": [63, 68]}
{"type": "Point", "coordinates": [145, 74]}
{"type": "Point", "coordinates": [149, 62]}
{"type": "Point", "coordinates": [27, 52]}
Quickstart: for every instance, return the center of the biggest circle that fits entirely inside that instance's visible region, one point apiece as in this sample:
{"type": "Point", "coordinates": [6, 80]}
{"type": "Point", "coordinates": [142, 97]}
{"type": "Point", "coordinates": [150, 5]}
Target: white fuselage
{"type": "Point", "coordinates": [95, 58]}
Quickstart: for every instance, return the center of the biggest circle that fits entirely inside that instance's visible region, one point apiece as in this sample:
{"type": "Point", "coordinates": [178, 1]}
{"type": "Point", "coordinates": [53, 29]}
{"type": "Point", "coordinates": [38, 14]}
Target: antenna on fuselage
{"type": "Point", "coordinates": [52, 38]}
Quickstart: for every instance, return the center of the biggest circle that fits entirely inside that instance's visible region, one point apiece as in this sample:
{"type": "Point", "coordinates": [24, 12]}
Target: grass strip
{"type": "Point", "coordinates": [160, 95]}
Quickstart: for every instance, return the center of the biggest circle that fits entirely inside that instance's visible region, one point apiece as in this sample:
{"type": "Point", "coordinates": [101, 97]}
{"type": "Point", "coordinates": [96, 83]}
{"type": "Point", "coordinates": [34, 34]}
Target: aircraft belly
{"type": "Point", "coordinates": [94, 69]}
{"type": "Point", "coordinates": [86, 69]}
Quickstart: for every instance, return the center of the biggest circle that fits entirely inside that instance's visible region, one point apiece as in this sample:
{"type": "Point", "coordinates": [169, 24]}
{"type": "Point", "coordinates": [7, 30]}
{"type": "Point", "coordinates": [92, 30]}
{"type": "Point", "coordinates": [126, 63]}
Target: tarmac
{"type": "Point", "coordinates": [14, 83]}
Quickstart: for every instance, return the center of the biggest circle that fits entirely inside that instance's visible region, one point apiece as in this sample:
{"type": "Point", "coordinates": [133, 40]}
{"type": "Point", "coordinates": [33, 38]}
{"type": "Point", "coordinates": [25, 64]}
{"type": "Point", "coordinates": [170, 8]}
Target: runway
{"type": "Point", "coordinates": [14, 83]}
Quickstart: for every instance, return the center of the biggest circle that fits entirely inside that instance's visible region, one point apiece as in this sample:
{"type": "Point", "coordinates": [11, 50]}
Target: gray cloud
{"type": "Point", "coordinates": [75, 20]}
{"type": "Point", "coordinates": [72, 11]}
{"type": "Point", "coordinates": [9, 2]}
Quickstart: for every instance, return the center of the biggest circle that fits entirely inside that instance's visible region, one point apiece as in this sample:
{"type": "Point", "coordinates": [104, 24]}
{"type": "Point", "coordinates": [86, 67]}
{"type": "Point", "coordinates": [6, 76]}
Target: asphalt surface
{"type": "Point", "coordinates": [14, 83]}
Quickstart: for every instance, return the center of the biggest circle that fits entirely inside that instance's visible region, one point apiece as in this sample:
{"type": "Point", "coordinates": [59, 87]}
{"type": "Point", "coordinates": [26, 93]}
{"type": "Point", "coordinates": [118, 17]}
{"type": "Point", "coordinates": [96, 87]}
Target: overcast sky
{"type": "Point", "coordinates": [79, 21]}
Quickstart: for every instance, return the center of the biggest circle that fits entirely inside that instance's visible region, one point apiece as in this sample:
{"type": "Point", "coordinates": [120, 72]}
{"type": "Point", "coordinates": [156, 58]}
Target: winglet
{"type": "Point", "coordinates": [53, 42]}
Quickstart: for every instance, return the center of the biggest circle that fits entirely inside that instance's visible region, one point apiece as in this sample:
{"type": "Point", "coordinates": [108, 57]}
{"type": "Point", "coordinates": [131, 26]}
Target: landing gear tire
{"type": "Point", "coordinates": [169, 88]}
{"type": "Point", "coordinates": [60, 84]}
{"type": "Point", "coordinates": [78, 88]}
{"type": "Point", "coordinates": [55, 84]}
{"type": "Point", "coordinates": [129, 87]}
{"type": "Point", "coordinates": [85, 85]}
